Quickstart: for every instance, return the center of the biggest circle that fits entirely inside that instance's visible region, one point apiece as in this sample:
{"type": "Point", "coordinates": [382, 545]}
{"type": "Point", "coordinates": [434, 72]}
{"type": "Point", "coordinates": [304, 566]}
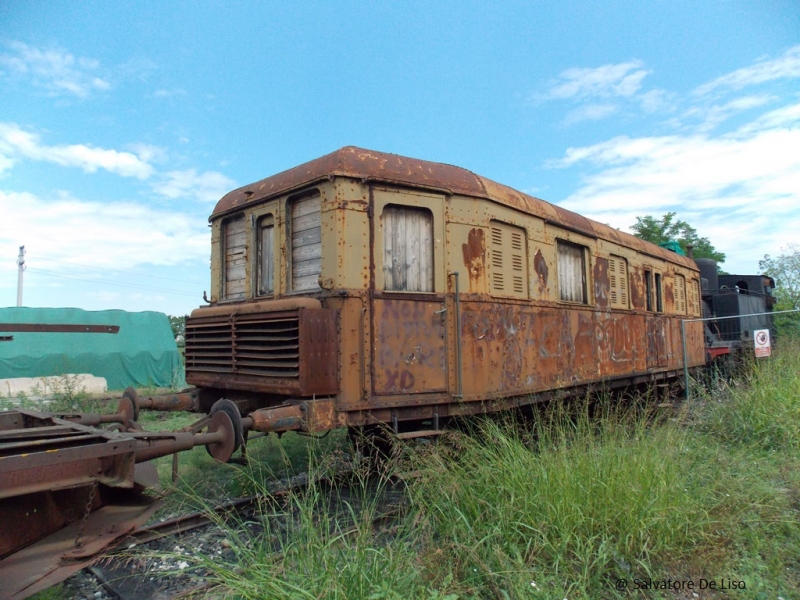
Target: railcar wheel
{"type": "Point", "coordinates": [129, 406]}
{"type": "Point", "coordinates": [225, 416]}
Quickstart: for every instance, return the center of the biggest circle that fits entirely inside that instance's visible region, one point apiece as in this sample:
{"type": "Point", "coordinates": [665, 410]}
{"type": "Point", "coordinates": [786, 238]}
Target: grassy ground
{"type": "Point", "coordinates": [607, 503]}
{"type": "Point", "coordinates": [601, 500]}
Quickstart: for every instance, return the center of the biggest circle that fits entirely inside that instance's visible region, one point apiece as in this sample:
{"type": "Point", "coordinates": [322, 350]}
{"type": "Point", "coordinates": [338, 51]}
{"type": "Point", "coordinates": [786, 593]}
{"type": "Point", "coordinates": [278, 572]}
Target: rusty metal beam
{"type": "Point", "coordinates": [57, 328]}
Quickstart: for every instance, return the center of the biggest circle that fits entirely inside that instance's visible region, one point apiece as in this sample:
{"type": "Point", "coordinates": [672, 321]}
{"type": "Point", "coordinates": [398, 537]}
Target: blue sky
{"type": "Point", "coordinates": [121, 124]}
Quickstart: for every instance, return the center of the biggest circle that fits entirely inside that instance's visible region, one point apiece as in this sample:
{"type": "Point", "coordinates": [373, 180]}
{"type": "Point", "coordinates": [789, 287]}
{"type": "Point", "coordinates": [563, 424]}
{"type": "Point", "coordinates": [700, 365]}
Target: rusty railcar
{"type": "Point", "coordinates": [364, 287]}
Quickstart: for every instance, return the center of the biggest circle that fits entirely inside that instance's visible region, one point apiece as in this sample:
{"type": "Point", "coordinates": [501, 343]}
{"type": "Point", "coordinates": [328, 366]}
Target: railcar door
{"type": "Point", "coordinates": [657, 332]}
{"type": "Point", "coordinates": [408, 302]}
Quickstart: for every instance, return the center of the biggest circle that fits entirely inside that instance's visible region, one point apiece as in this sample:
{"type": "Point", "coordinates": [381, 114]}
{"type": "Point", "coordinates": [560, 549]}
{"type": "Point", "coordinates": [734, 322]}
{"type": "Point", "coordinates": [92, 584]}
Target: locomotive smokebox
{"type": "Point", "coordinates": [708, 271]}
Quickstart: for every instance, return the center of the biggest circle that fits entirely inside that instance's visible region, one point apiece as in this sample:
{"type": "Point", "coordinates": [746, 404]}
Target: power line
{"type": "Point", "coordinates": [113, 283]}
{"type": "Point", "coordinates": [64, 262]}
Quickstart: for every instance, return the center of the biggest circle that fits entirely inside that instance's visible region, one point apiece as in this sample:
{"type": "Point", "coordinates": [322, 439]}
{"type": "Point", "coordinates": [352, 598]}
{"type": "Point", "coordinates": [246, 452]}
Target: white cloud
{"type": "Point", "coordinates": [655, 101]}
{"type": "Point", "coordinates": [608, 81]}
{"type": "Point", "coordinates": [591, 112]}
{"type": "Point", "coordinates": [208, 186]}
{"type": "Point", "coordinates": [163, 93]}
{"type": "Point", "coordinates": [742, 189]}
{"type": "Point", "coordinates": [714, 115]}
{"type": "Point", "coordinates": [15, 142]}
{"type": "Point", "coordinates": [53, 69]}
{"type": "Point", "coordinates": [786, 66]}
{"type": "Point", "coordinates": [116, 234]}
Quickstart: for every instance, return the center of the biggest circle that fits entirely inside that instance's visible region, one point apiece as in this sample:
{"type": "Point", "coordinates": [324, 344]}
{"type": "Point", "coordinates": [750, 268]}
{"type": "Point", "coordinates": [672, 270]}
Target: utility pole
{"type": "Point", "coordinates": [21, 263]}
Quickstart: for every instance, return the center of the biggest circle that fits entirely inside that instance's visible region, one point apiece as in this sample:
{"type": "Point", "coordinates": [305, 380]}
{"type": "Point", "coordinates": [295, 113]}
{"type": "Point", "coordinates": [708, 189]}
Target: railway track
{"type": "Point", "coordinates": [154, 561]}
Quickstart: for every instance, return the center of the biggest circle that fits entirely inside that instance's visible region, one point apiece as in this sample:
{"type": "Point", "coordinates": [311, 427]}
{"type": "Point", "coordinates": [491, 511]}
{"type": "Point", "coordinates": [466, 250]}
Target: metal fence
{"type": "Point", "coordinates": [730, 334]}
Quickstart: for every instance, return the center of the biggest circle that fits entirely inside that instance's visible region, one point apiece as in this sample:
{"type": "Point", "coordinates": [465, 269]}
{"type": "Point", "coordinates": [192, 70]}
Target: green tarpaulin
{"type": "Point", "coordinates": [141, 353]}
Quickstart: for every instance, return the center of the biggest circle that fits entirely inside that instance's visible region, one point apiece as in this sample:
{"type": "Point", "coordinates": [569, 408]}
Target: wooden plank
{"type": "Point", "coordinates": [304, 253]}
{"type": "Point", "coordinates": [426, 252]}
{"type": "Point", "coordinates": [412, 250]}
{"type": "Point", "coordinates": [306, 268]}
{"type": "Point", "coordinates": [310, 282]}
{"type": "Point", "coordinates": [388, 241]}
{"type": "Point", "coordinates": [306, 206]}
{"type": "Point", "coordinates": [309, 236]}
{"type": "Point", "coordinates": [307, 222]}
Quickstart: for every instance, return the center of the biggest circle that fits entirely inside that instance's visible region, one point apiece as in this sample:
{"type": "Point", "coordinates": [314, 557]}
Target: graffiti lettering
{"type": "Point", "coordinates": [398, 381]}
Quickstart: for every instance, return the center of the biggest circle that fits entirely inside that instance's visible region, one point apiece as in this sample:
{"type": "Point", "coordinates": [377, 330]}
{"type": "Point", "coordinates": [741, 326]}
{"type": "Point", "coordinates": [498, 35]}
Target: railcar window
{"type": "Point", "coordinates": [306, 238]}
{"type": "Point", "coordinates": [407, 249]}
{"type": "Point", "coordinates": [572, 272]}
{"type": "Point", "coordinates": [659, 300]}
{"type": "Point", "coordinates": [234, 243]}
{"type": "Point", "coordinates": [618, 281]}
{"type": "Point", "coordinates": [648, 290]}
{"type": "Point", "coordinates": [266, 253]}
{"type": "Point", "coordinates": [508, 270]}
{"type": "Point", "coordinates": [680, 294]}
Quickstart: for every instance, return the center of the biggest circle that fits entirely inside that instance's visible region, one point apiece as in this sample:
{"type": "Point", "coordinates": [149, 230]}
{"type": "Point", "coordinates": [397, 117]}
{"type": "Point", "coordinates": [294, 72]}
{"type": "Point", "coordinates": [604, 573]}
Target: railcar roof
{"type": "Point", "coordinates": [370, 165]}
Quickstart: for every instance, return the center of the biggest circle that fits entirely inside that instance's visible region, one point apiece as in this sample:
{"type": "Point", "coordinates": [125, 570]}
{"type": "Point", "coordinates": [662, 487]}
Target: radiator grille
{"type": "Point", "coordinates": [268, 346]}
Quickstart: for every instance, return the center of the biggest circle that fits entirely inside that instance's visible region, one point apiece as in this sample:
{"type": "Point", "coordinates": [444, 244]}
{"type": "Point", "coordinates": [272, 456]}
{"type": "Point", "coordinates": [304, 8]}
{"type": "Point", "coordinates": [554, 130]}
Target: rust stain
{"type": "Point", "coordinates": [601, 285]}
{"type": "Point", "coordinates": [669, 296]}
{"type": "Point", "coordinates": [540, 265]}
{"type": "Point", "coordinates": [475, 257]}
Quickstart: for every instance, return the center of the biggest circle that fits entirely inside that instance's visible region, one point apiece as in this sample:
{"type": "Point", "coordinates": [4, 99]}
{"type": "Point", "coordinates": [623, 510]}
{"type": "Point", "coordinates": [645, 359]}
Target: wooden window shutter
{"type": "Point", "coordinates": [306, 232]}
{"type": "Point", "coordinates": [235, 243]}
{"type": "Point", "coordinates": [407, 249]}
{"type": "Point", "coordinates": [571, 272]}
{"type": "Point", "coordinates": [508, 262]}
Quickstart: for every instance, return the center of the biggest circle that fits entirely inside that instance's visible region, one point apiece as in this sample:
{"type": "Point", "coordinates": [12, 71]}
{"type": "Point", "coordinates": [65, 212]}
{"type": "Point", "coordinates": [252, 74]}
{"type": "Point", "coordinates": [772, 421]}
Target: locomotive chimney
{"type": "Point", "coordinates": [689, 250]}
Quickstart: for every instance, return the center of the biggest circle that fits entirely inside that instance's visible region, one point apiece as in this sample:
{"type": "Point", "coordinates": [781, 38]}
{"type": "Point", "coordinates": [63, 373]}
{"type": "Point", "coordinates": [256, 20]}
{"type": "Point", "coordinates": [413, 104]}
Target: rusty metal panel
{"type": "Point", "coordinates": [57, 556]}
{"type": "Point", "coordinates": [50, 453]}
{"type": "Point", "coordinates": [408, 346]}
{"type": "Point", "coordinates": [319, 352]}
{"type": "Point", "coordinates": [658, 351]}
{"type": "Point", "coordinates": [586, 355]}
{"type": "Point", "coordinates": [57, 328]}
{"type": "Point", "coordinates": [292, 351]}
{"type": "Point", "coordinates": [512, 348]}
{"type": "Point", "coordinates": [621, 340]}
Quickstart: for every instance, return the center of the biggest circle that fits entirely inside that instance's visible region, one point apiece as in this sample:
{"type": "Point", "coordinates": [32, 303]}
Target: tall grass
{"type": "Point", "coordinates": [589, 494]}
{"type": "Point", "coordinates": [577, 503]}
{"type": "Point", "coordinates": [765, 410]}
{"type": "Point", "coordinates": [320, 542]}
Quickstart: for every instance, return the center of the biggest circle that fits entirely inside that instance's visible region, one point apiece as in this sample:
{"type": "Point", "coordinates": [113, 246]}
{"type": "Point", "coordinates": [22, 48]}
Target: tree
{"type": "Point", "coordinates": [669, 228]}
{"type": "Point", "coordinates": [178, 325]}
{"type": "Point", "coordinates": [785, 270]}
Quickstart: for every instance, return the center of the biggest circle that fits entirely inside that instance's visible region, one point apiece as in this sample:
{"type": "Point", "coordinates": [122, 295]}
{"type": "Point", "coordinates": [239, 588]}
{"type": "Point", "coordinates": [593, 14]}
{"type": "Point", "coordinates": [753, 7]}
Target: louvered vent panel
{"type": "Point", "coordinates": [507, 268]}
{"type": "Point", "coordinates": [249, 344]}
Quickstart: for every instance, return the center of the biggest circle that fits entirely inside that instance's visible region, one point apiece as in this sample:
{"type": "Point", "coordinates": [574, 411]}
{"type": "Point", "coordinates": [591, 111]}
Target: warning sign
{"type": "Point", "coordinates": [761, 337]}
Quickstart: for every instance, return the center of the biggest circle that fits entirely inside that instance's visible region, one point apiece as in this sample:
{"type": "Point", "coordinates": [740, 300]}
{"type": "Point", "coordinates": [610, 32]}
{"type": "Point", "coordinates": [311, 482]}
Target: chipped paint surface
{"type": "Point", "coordinates": [523, 349]}
{"type": "Point", "coordinates": [601, 284]}
{"type": "Point", "coordinates": [410, 356]}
